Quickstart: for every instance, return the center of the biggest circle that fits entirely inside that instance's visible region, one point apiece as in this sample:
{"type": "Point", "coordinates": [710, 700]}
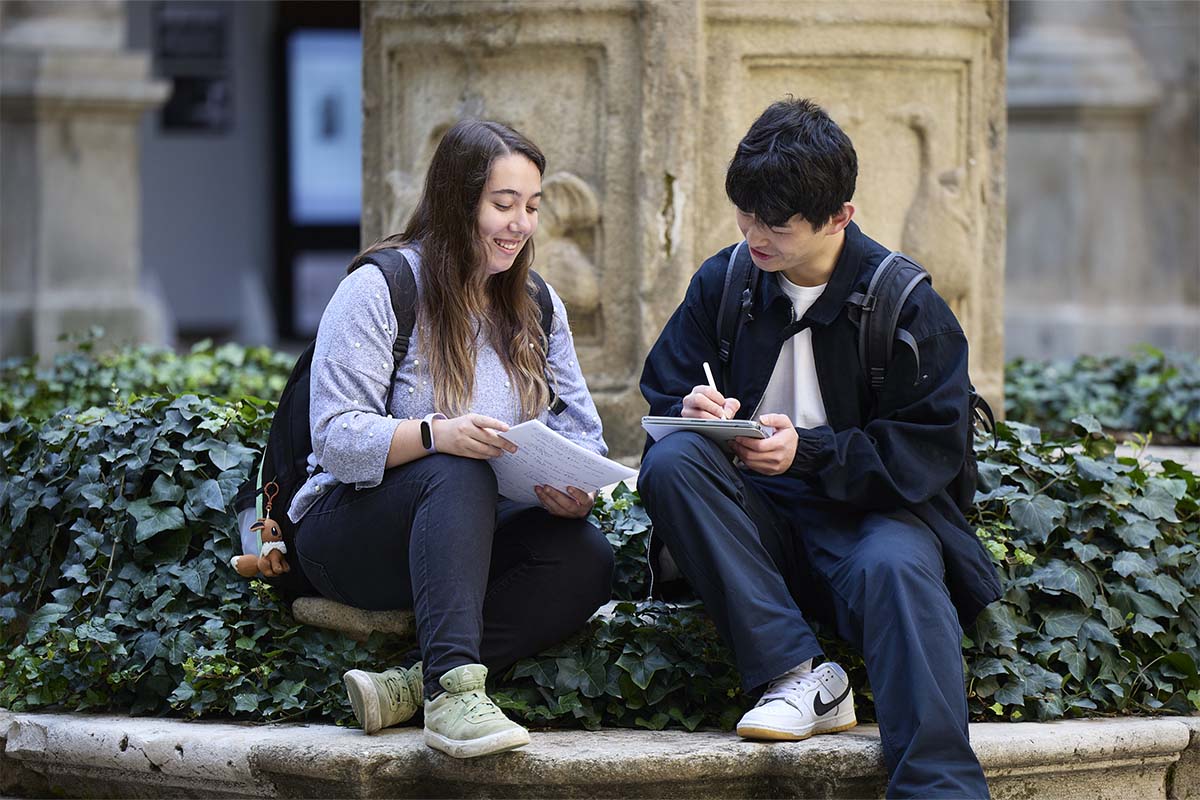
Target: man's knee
{"type": "Point", "coordinates": [676, 456]}
{"type": "Point", "coordinates": [897, 558]}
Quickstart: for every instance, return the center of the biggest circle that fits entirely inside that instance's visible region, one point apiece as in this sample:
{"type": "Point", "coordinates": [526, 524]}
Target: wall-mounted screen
{"type": "Point", "coordinates": [325, 126]}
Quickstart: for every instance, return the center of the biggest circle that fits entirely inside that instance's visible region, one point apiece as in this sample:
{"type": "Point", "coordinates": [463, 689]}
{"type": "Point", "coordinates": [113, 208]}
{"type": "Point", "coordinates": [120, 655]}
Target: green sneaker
{"type": "Point", "coordinates": [464, 722]}
{"type": "Point", "coordinates": [383, 699]}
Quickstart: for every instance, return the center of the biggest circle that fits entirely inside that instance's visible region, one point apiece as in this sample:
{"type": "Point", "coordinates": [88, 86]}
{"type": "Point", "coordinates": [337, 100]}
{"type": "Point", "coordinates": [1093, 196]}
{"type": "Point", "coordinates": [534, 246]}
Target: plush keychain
{"type": "Point", "coordinates": [272, 549]}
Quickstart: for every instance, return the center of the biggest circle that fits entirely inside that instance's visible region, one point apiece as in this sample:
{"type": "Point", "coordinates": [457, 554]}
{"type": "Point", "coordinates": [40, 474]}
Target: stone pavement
{"type": "Point", "coordinates": [1187, 456]}
{"type": "Point", "coordinates": [87, 755]}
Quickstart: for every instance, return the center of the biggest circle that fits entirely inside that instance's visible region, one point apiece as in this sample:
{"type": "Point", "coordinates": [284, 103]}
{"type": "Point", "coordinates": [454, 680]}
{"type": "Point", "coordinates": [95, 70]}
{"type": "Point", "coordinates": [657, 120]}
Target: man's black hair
{"type": "Point", "coordinates": [793, 160]}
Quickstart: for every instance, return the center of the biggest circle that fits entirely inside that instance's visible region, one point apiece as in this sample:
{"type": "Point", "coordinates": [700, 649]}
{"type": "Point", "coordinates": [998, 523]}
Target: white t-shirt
{"type": "Point", "coordinates": [793, 389]}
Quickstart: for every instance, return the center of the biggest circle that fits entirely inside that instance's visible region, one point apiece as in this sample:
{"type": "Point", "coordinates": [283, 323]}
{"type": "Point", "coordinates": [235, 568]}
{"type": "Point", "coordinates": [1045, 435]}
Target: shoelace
{"type": "Point", "coordinates": [397, 688]}
{"type": "Point", "coordinates": [789, 686]}
{"type": "Point", "coordinates": [473, 700]}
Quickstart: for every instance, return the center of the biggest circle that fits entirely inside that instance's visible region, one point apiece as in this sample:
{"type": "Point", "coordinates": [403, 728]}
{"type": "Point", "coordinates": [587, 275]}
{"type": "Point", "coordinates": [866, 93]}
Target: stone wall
{"type": "Point", "coordinates": [639, 106]}
{"type": "Point", "coordinates": [1104, 177]}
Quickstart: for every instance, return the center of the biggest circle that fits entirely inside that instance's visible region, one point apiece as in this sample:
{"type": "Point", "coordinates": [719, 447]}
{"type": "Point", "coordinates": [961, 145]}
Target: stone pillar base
{"type": "Point", "coordinates": [70, 102]}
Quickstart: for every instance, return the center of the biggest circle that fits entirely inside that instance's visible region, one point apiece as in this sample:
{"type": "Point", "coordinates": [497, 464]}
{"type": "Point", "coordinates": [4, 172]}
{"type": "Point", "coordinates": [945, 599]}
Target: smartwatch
{"type": "Point", "coordinates": [427, 432]}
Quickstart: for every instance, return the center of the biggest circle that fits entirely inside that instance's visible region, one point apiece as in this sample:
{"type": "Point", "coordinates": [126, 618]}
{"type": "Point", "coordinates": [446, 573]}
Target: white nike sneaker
{"type": "Point", "coordinates": [801, 703]}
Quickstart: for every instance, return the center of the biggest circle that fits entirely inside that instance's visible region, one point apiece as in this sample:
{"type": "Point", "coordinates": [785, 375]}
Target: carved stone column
{"type": "Point", "coordinates": [1079, 249]}
{"type": "Point", "coordinates": [919, 88]}
{"type": "Point", "coordinates": [70, 99]}
{"type": "Point", "coordinates": [639, 106]}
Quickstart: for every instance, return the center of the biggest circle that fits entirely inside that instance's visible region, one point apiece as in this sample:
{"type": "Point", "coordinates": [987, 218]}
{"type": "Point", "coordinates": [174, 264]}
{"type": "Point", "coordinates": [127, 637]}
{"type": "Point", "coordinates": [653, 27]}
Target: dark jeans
{"type": "Point", "coordinates": [877, 578]}
{"type": "Point", "coordinates": [489, 582]}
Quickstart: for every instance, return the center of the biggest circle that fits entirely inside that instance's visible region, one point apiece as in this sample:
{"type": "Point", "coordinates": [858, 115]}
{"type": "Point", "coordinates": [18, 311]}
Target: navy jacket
{"type": "Point", "coordinates": [899, 453]}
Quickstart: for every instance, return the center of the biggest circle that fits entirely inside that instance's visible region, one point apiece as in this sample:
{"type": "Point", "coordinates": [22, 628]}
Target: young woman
{"type": "Point", "coordinates": [404, 510]}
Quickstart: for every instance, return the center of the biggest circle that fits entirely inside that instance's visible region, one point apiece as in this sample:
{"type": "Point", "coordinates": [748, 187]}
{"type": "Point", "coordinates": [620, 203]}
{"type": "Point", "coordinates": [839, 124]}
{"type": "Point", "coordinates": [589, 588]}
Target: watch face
{"type": "Point", "coordinates": [426, 434]}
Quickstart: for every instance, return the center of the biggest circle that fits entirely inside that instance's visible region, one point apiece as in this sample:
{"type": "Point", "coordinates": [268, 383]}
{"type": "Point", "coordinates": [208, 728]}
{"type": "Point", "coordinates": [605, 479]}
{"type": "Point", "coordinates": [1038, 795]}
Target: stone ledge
{"type": "Point", "coordinates": [102, 755]}
{"type": "Point", "coordinates": [1183, 783]}
{"type": "Point", "coordinates": [359, 624]}
{"type": "Point", "coordinates": [355, 623]}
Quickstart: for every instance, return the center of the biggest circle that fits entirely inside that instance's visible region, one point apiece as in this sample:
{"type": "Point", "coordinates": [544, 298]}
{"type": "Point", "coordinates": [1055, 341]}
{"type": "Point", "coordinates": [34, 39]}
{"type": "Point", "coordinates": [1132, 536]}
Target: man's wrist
{"type": "Point", "coordinates": [812, 450]}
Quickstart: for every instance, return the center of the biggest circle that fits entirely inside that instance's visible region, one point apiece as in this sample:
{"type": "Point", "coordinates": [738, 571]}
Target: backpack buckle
{"type": "Point", "coordinates": [869, 302]}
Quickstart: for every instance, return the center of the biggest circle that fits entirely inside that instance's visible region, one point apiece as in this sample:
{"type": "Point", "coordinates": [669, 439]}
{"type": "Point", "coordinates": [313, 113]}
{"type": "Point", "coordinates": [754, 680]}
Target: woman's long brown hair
{"type": "Point", "coordinates": [457, 296]}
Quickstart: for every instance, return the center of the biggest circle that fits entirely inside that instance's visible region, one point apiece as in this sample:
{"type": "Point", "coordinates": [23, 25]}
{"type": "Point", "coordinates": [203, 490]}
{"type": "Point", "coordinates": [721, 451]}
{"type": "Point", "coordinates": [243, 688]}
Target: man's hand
{"type": "Point", "coordinates": [706, 402]}
{"type": "Point", "coordinates": [573, 504]}
{"type": "Point", "coordinates": [471, 436]}
{"type": "Point", "coordinates": [770, 456]}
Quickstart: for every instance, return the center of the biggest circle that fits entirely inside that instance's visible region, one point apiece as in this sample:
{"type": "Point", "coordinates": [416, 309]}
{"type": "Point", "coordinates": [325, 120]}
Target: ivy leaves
{"type": "Point", "coordinates": [115, 535]}
{"type": "Point", "coordinates": [647, 665]}
{"type": "Point", "coordinates": [1146, 391]}
{"type": "Point", "coordinates": [82, 378]}
{"type": "Point", "coordinates": [1108, 601]}
{"type": "Point", "coordinates": [115, 590]}
{"type": "Point", "coordinates": [1039, 515]}
{"type": "Point", "coordinates": [152, 519]}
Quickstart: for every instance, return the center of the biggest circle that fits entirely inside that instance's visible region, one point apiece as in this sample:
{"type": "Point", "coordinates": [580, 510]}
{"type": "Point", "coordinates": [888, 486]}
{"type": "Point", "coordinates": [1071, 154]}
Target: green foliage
{"type": "Point", "coordinates": [1098, 557]}
{"type": "Point", "coordinates": [647, 665]}
{"type": "Point", "coordinates": [83, 377]}
{"type": "Point", "coordinates": [627, 526]}
{"type": "Point", "coordinates": [115, 589]}
{"type": "Point", "coordinates": [1149, 391]}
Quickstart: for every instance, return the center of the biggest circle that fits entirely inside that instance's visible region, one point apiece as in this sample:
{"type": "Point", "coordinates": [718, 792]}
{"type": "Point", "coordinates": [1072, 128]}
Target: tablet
{"type": "Point", "coordinates": [719, 430]}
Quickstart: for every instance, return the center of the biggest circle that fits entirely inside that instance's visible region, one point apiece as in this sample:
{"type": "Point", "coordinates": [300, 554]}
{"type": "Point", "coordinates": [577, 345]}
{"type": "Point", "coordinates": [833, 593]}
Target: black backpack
{"type": "Point", "coordinates": [283, 468]}
{"type": "Point", "coordinates": [877, 314]}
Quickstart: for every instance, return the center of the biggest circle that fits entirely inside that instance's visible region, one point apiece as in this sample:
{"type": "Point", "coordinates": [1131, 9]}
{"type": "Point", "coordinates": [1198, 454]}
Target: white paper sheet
{"type": "Point", "coordinates": [546, 458]}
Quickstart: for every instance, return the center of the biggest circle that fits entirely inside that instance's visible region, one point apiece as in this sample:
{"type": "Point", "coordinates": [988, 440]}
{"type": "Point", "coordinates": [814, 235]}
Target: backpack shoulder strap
{"type": "Point", "coordinates": [879, 314]}
{"type": "Point", "coordinates": [981, 414]}
{"type": "Point", "coordinates": [545, 304]}
{"type": "Point", "coordinates": [402, 287]}
{"type": "Point", "coordinates": [541, 293]}
{"type": "Point", "coordinates": [736, 297]}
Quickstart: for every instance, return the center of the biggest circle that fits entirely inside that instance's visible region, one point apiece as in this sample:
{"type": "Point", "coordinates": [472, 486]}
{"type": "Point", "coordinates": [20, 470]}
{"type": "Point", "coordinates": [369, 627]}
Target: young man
{"type": "Point", "coordinates": [842, 514]}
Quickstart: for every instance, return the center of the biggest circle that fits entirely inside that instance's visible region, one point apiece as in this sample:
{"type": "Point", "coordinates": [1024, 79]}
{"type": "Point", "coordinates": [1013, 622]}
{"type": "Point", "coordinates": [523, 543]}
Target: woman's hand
{"type": "Point", "coordinates": [706, 402]}
{"type": "Point", "coordinates": [573, 504]}
{"type": "Point", "coordinates": [471, 436]}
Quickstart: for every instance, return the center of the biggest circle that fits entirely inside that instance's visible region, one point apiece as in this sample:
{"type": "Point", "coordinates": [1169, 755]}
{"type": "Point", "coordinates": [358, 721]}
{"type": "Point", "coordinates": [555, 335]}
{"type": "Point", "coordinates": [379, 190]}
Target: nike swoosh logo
{"type": "Point", "coordinates": [821, 708]}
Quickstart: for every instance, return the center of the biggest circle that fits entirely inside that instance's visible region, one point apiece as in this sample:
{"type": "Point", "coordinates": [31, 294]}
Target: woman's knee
{"type": "Point", "coordinates": [588, 568]}
{"type": "Point", "coordinates": [604, 562]}
{"type": "Point", "coordinates": [465, 478]}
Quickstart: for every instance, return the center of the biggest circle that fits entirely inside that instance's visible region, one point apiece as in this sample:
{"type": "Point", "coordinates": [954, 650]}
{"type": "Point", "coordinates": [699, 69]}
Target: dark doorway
{"type": "Point", "coordinates": [318, 156]}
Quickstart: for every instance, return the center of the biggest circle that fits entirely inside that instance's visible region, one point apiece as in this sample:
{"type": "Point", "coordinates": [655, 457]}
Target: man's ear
{"type": "Point", "coordinates": [838, 222]}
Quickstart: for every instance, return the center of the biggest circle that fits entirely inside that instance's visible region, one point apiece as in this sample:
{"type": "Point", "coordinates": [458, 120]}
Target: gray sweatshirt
{"type": "Point", "coordinates": [352, 365]}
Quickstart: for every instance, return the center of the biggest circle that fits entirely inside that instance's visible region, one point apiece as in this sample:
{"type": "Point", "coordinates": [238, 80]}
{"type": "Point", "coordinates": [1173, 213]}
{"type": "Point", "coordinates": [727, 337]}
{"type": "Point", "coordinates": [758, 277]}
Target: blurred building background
{"type": "Point", "coordinates": [251, 171]}
{"type": "Point", "coordinates": [1103, 176]}
{"type": "Point", "coordinates": [187, 169]}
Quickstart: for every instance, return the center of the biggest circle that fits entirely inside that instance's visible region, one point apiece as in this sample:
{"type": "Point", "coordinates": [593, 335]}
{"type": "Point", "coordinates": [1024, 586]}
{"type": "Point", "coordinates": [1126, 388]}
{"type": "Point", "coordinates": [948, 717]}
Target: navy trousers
{"type": "Point", "coordinates": [489, 582]}
{"type": "Point", "coordinates": [760, 564]}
